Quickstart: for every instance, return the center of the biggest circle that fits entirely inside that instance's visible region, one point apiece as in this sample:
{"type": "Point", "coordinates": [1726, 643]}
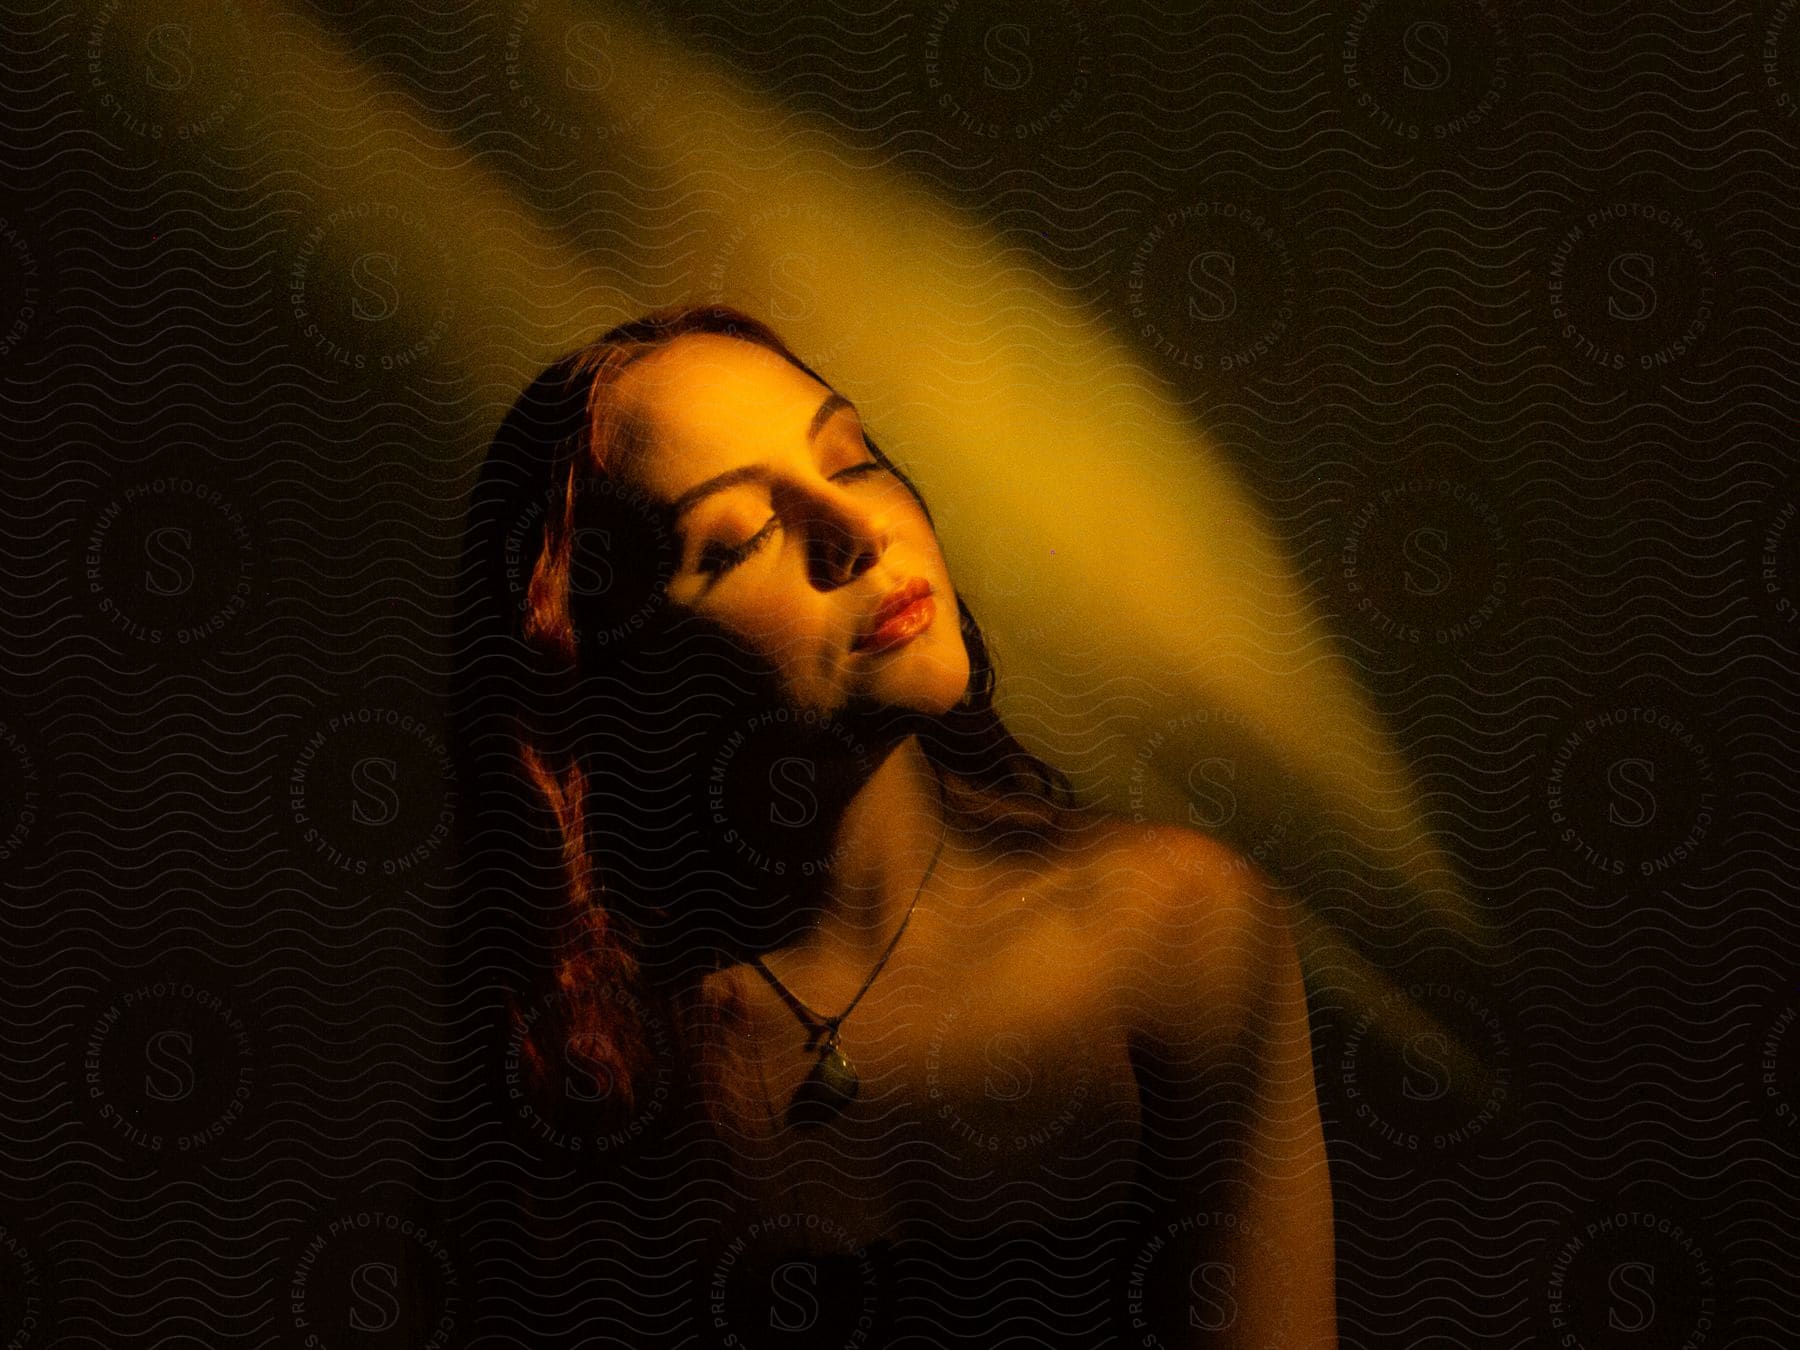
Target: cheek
{"type": "Point", "coordinates": [789, 628]}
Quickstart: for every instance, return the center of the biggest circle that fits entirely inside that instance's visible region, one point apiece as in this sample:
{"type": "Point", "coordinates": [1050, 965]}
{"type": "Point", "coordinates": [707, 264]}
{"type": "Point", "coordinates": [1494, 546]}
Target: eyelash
{"type": "Point", "coordinates": [718, 559]}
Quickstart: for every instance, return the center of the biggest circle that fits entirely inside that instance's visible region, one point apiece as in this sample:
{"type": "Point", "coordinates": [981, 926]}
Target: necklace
{"type": "Point", "coordinates": [833, 1084]}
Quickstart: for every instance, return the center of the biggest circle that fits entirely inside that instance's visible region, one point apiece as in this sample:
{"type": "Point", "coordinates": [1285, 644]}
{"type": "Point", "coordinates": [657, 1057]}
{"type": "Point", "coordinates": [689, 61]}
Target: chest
{"type": "Point", "coordinates": [993, 1091]}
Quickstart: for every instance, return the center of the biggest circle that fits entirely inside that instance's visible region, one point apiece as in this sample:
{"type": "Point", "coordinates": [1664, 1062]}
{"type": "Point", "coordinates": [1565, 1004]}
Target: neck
{"type": "Point", "coordinates": [884, 831]}
{"type": "Point", "coordinates": [873, 823]}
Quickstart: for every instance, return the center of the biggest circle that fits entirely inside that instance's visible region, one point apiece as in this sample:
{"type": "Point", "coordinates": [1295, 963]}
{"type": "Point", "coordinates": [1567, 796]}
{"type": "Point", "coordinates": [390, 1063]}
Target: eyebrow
{"type": "Point", "coordinates": [832, 404]}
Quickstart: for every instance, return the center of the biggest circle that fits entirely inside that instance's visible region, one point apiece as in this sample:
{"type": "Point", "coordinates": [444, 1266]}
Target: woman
{"type": "Point", "coordinates": [783, 915]}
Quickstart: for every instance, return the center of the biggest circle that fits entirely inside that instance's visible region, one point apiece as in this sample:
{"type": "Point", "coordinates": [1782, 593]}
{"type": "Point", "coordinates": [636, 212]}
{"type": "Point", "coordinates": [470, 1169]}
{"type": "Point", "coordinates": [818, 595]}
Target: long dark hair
{"type": "Point", "coordinates": [574, 696]}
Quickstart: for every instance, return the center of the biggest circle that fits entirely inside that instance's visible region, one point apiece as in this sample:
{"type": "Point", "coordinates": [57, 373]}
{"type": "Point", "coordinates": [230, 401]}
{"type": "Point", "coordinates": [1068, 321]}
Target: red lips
{"type": "Point", "coordinates": [906, 612]}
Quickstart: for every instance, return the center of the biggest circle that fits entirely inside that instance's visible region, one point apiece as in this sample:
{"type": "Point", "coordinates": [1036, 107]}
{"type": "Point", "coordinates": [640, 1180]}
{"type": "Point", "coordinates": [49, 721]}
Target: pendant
{"type": "Point", "coordinates": [828, 1089]}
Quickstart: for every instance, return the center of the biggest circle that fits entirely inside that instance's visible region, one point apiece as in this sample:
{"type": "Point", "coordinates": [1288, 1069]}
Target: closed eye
{"type": "Point", "coordinates": [718, 559]}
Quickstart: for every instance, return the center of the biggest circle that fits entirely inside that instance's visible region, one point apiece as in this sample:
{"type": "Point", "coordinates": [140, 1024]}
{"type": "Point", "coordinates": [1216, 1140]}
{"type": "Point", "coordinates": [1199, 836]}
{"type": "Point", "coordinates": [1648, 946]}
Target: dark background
{"type": "Point", "coordinates": [1510, 371]}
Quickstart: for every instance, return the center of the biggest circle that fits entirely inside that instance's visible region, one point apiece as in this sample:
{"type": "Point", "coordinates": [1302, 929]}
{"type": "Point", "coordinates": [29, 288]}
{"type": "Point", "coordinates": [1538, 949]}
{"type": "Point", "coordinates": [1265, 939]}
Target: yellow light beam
{"type": "Point", "coordinates": [1127, 577]}
{"type": "Point", "coordinates": [1032, 428]}
{"type": "Point", "coordinates": [319, 130]}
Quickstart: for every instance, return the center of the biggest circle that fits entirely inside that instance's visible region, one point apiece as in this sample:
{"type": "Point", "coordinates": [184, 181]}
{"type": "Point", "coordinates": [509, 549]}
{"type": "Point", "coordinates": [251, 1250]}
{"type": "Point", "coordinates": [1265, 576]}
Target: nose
{"type": "Point", "coordinates": [847, 538]}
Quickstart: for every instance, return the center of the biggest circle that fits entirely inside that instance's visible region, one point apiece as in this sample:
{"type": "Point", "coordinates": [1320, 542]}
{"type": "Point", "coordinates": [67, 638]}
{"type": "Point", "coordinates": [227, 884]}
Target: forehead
{"type": "Point", "coordinates": [707, 403]}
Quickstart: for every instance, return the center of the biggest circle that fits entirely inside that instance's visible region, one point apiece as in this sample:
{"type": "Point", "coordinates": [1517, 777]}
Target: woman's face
{"type": "Point", "coordinates": [792, 536]}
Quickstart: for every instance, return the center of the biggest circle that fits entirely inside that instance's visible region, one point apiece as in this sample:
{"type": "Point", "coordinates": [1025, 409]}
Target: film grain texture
{"type": "Point", "coordinates": [1365, 434]}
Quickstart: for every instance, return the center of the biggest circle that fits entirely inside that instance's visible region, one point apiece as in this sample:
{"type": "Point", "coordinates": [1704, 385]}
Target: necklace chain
{"type": "Point", "coordinates": [815, 1024]}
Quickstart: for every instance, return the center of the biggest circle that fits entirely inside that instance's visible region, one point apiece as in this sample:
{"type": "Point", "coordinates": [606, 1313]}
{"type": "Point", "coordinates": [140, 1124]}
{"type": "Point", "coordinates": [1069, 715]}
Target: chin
{"type": "Point", "coordinates": [927, 676]}
{"type": "Point", "coordinates": [939, 690]}
{"type": "Point", "coordinates": [925, 689]}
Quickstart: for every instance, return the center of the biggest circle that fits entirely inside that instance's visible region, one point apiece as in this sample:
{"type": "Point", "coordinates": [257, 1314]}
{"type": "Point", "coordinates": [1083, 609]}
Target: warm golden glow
{"type": "Point", "coordinates": [1126, 578]}
{"type": "Point", "coordinates": [1050, 458]}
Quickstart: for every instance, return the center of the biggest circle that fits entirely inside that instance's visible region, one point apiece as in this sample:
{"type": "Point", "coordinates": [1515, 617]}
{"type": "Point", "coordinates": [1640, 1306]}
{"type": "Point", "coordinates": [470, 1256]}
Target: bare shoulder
{"type": "Point", "coordinates": [1157, 872]}
{"type": "Point", "coordinates": [1188, 919]}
